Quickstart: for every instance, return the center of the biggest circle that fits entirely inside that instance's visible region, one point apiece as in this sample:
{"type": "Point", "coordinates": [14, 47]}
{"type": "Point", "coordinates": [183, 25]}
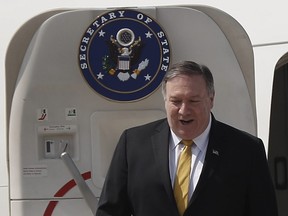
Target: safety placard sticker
{"type": "Point", "coordinates": [35, 171]}
{"type": "Point", "coordinates": [42, 114]}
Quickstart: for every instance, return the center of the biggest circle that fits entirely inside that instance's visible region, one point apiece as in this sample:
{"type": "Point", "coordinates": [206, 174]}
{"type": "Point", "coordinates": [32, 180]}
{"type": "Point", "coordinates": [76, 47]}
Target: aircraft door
{"type": "Point", "coordinates": [278, 136]}
{"type": "Point", "coordinates": [89, 74]}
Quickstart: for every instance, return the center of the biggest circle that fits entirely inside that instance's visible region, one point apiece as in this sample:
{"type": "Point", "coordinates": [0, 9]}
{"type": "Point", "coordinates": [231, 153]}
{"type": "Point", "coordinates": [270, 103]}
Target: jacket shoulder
{"type": "Point", "coordinates": [155, 125]}
{"type": "Point", "coordinates": [223, 130]}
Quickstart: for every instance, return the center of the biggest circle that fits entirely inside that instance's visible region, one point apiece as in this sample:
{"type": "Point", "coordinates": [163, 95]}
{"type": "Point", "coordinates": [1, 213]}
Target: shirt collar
{"type": "Point", "coordinates": [201, 141]}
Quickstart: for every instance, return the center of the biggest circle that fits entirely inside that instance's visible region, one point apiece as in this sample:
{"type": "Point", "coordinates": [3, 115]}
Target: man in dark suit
{"type": "Point", "coordinates": [228, 173]}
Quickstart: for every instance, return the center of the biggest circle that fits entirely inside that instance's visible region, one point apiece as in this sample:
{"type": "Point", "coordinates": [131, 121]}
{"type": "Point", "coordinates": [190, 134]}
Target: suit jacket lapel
{"type": "Point", "coordinates": [213, 155]}
{"type": "Point", "coordinates": [160, 142]}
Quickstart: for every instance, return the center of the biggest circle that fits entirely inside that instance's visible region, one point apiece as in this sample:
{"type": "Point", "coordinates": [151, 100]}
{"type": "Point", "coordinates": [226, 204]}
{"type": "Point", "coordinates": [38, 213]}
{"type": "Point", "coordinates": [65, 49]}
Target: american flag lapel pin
{"type": "Point", "coordinates": [215, 152]}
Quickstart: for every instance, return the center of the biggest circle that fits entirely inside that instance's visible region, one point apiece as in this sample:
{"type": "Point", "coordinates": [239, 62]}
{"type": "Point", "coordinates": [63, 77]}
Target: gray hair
{"type": "Point", "coordinates": [189, 68]}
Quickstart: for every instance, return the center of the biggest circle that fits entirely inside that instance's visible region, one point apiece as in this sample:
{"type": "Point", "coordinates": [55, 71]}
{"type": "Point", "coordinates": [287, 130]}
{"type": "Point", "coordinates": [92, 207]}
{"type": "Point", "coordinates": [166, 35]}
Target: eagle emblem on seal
{"type": "Point", "coordinates": [124, 51]}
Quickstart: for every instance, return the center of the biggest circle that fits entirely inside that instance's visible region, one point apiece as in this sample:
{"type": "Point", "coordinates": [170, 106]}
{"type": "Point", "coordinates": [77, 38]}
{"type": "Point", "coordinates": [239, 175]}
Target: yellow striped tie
{"type": "Point", "coordinates": [182, 178]}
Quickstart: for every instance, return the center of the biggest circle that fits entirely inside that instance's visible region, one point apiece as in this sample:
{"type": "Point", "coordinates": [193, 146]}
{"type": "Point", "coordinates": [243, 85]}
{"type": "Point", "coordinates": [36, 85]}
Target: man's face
{"type": "Point", "coordinates": [188, 105]}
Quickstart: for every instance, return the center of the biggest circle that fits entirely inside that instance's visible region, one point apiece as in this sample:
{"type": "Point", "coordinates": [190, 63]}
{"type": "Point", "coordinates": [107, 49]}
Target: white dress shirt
{"type": "Point", "coordinates": [198, 156]}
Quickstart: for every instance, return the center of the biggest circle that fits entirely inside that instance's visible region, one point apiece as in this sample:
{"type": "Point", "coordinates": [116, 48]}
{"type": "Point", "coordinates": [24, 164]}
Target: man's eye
{"type": "Point", "coordinates": [195, 102]}
{"type": "Point", "coordinates": [176, 102]}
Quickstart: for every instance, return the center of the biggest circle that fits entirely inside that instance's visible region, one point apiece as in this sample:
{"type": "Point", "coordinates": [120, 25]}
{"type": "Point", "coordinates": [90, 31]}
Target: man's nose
{"type": "Point", "coordinates": [184, 109]}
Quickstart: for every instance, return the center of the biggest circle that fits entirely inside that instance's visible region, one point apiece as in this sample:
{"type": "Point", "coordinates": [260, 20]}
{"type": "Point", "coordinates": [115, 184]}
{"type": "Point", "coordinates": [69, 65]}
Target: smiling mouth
{"type": "Point", "coordinates": [186, 122]}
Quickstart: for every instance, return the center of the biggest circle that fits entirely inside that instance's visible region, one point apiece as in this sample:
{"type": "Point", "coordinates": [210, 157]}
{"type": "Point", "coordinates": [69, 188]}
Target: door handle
{"type": "Point", "coordinates": [280, 174]}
